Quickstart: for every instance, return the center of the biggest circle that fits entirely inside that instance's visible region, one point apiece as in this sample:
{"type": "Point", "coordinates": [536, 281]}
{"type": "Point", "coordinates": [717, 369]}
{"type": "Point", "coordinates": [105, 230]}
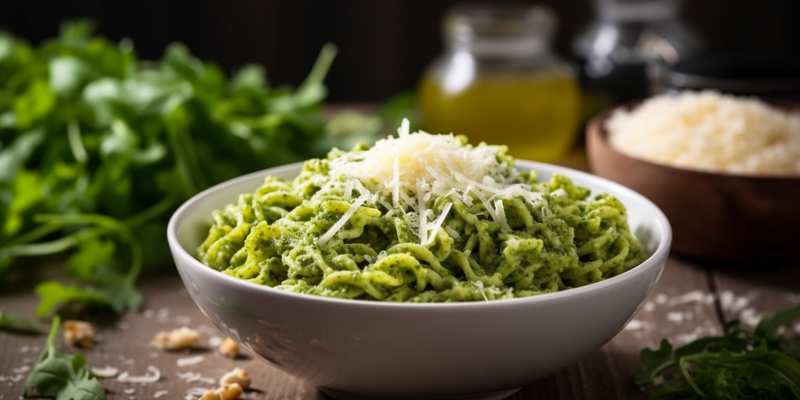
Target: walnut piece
{"type": "Point", "coordinates": [177, 339]}
{"type": "Point", "coordinates": [238, 375]}
{"type": "Point", "coordinates": [229, 348]}
{"type": "Point", "coordinates": [230, 392]}
{"type": "Point", "coordinates": [78, 333]}
{"type": "Point", "coordinates": [209, 395]}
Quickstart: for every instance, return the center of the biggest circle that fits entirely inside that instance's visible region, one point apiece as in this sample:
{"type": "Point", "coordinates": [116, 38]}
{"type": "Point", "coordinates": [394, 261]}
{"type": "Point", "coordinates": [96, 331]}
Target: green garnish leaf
{"type": "Point", "coordinates": [17, 323]}
{"type": "Point", "coordinates": [740, 364]}
{"type": "Point", "coordinates": [97, 148]}
{"type": "Point", "coordinates": [62, 376]}
{"type": "Point", "coordinates": [54, 294]}
{"type": "Point", "coordinates": [113, 290]}
{"type": "Point", "coordinates": [769, 325]}
{"type": "Point", "coordinates": [654, 361]}
{"type": "Point", "coordinates": [92, 254]}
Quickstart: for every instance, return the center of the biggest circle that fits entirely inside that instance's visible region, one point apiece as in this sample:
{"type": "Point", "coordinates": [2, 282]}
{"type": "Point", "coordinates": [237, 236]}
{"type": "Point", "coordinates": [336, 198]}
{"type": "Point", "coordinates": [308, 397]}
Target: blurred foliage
{"type": "Point", "coordinates": [97, 148]}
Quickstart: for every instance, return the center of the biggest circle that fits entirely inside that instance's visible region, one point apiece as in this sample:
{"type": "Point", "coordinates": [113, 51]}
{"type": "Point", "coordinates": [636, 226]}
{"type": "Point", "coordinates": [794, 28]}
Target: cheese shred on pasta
{"type": "Point", "coordinates": [421, 218]}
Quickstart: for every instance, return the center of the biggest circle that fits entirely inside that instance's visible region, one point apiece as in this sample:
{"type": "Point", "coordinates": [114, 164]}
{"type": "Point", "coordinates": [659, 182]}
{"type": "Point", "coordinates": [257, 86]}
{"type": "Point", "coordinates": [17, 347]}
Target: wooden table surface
{"type": "Point", "coordinates": [692, 298]}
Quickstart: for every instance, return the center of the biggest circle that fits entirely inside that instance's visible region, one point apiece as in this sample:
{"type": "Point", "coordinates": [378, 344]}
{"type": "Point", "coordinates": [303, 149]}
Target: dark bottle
{"type": "Point", "coordinates": [614, 49]}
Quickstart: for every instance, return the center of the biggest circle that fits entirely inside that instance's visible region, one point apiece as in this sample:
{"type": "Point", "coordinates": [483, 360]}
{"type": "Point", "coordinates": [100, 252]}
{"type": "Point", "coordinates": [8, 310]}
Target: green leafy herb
{"type": "Point", "coordinates": [61, 375]}
{"type": "Point", "coordinates": [97, 148]}
{"type": "Point", "coordinates": [762, 364]}
{"type": "Point", "coordinates": [17, 323]}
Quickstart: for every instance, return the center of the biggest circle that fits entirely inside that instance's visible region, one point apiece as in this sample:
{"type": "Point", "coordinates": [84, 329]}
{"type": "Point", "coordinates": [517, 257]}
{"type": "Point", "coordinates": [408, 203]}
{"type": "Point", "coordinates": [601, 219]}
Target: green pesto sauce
{"type": "Point", "coordinates": [566, 240]}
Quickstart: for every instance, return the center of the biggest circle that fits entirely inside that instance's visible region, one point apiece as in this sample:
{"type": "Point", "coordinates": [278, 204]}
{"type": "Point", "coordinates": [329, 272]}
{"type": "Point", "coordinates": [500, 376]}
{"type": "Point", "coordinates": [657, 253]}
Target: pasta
{"type": "Point", "coordinates": [435, 235]}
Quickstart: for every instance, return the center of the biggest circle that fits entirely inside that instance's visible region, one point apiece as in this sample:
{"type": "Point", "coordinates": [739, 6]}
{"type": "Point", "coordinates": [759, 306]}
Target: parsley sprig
{"type": "Point", "coordinates": [17, 323]}
{"type": "Point", "coordinates": [740, 364]}
{"type": "Point", "coordinates": [62, 375]}
{"type": "Point", "coordinates": [98, 147]}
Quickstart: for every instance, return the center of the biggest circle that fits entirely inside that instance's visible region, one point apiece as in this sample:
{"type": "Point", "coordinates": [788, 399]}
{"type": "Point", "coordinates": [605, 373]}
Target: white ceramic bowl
{"type": "Point", "coordinates": [356, 349]}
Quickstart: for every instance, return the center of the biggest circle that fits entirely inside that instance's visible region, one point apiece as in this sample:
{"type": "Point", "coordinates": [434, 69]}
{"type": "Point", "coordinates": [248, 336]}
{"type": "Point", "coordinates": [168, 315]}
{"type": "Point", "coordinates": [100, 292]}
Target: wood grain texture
{"type": "Point", "coordinates": [748, 290]}
{"type": "Point", "coordinates": [123, 343]}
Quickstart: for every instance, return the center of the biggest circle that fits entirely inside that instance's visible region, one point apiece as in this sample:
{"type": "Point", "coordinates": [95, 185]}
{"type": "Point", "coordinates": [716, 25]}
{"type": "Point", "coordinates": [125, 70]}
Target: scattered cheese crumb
{"type": "Point", "coordinates": [177, 339]}
{"type": "Point", "coordinates": [160, 393]}
{"type": "Point", "coordinates": [229, 348]}
{"type": "Point", "coordinates": [78, 333]}
{"type": "Point", "coordinates": [750, 317]}
{"type": "Point", "coordinates": [192, 393]}
{"type": "Point", "coordinates": [238, 375]}
{"type": "Point", "coordinates": [635, 325]}
{"type": "Point", "coordinates": [106, 372]}
{"type": "Point", "coordinates": [695, 296]}
{"type": "Point", "coordinates": [735, 304]}
{"type": "Point", "coordinates": [675, 316]}
{"type": "Point", "coordinates": [195, 377]}
{"type": "Point", "coordinates": [694, 335]}
{"type": "Point", "coordinates": [127, 361]}
{"type": "Point", "coordinates": [153, 377]}
{"type": "Point", "coordinates": [214, 341]}
{"type": "Point", "coordinates": [187, 361]}
{"type": "Point", "coordinates": [21, 370]}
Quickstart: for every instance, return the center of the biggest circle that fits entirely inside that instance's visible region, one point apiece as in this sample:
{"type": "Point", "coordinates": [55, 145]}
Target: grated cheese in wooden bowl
{"type": "Point", "coordinates": [710, 131]}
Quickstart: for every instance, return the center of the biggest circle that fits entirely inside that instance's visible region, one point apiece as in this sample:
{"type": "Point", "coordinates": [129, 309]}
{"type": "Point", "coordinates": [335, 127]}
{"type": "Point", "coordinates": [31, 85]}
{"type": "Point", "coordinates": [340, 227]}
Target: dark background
{"type": "Point", "coordinates": [383, 44]}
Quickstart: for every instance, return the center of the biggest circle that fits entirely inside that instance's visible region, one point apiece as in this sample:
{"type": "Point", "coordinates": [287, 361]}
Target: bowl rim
{"type": "Point", "coordinates": [655, 260]}
{"type": "Point", "coordinates": [597, 127]}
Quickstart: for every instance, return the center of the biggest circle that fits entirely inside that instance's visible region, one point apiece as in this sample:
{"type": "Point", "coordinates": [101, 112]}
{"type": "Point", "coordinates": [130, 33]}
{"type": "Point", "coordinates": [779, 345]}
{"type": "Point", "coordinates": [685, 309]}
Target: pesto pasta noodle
{"type": "Point", "coordinates": [421, 218]}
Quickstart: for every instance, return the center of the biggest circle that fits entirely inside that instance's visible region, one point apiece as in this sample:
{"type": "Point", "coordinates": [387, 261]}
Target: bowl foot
{"type": "Point", "coordinates": [483, 396]}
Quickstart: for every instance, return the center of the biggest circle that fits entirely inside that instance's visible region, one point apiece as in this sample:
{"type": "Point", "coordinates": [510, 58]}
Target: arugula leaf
{"type": "Point", "coordinates": [769, 325]}
{"type": "Point", "coordinates": [654, 362]}
{"type": "Point", "coordinates": [740, 364]}
{"type": "Point", "coordinates": [63, 376]}
{"type": "Point", "coordinates": [17, 323]}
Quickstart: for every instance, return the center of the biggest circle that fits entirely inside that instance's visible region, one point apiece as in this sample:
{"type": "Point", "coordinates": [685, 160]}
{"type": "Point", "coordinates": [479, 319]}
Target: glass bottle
{"type": "Point", "coordinates": [625, 36]}
{"type": "Point", "coordinates": [498, 81]}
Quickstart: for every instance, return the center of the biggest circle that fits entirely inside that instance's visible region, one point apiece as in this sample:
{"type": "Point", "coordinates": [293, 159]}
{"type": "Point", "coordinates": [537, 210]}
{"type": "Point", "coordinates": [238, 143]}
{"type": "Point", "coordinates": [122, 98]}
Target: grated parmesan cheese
{"type": "Point", "coordinates": [412, 167]}
{"type": "Point", "coordinates": [187, 361]}
{"type": "Point", "coordinates": [152, 377]}
{"type": "Point", "coordinates": [710, 131]}
{"type": "Point", "coordinates": [194, 377]}
{"type": "Point", "coordinates": [479, 285]}
{"type": "Point", "coordinates": [107, 372]}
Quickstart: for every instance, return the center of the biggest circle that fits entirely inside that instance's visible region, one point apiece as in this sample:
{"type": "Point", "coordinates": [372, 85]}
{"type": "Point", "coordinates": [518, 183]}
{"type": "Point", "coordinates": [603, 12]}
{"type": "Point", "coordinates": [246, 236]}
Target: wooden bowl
{"type": "Point", "coordinates": [713, 214]}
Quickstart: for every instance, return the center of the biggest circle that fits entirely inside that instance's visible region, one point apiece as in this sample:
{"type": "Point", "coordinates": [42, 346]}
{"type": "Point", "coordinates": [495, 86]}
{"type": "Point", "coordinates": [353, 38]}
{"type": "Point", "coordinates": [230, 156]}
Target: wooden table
{"type": "Point", "coordinates": [693, 298]}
